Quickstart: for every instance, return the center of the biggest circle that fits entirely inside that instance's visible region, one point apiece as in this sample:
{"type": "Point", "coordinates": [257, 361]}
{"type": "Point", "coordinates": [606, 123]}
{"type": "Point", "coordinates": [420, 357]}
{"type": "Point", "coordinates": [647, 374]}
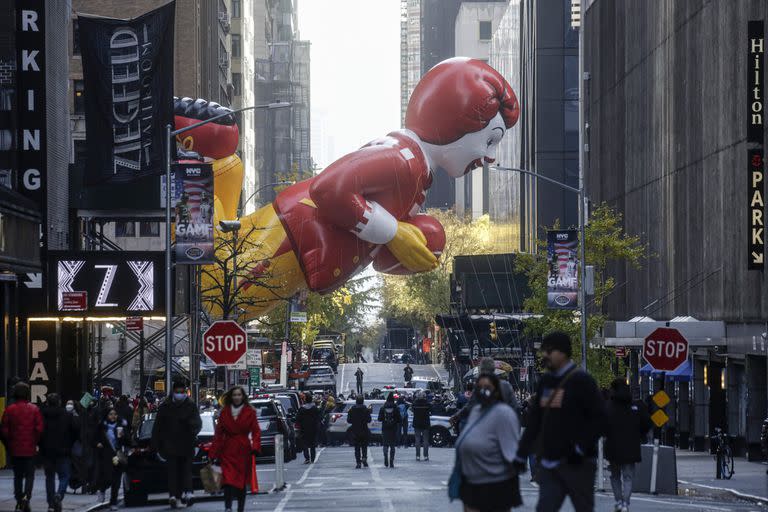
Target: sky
{"type": "Point", "coordinates": [354, 71]}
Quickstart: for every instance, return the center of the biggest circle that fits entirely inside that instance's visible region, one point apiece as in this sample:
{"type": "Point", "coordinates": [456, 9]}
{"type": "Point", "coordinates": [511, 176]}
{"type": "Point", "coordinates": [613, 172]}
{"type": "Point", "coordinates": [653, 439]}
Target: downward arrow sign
{"type": "Point", "coordinates": [35, 280]}
{"type": "Point", "coordinates": [757, 258]}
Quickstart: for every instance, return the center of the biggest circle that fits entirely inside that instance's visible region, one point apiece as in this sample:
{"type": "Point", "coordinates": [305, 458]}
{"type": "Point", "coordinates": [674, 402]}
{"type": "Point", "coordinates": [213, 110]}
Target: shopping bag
{"type": "Point", "coordinates": [211, 478]}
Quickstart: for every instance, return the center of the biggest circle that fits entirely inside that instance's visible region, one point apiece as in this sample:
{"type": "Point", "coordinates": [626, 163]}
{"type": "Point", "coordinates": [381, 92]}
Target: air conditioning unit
{"type": "Point", "coordinates": [224, 20]}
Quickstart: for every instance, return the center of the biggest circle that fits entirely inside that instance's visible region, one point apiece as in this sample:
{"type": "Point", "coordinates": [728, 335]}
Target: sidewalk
{"type": "Point", "coordinates": [696, 475]}
{"type": "Point", "coordinates": [79, 502]}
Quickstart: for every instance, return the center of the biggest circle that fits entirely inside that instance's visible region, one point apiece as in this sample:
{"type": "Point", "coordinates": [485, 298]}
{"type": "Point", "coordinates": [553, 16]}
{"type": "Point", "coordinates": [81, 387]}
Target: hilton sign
{"type": "Point", "coordinates": [755, 162]}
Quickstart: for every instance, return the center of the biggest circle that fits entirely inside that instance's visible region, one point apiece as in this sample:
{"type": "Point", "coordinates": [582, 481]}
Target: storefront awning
{"type": "Point", "coordinates": [649, 370]}
{"type": "Point", "coordinates": [683, 373]}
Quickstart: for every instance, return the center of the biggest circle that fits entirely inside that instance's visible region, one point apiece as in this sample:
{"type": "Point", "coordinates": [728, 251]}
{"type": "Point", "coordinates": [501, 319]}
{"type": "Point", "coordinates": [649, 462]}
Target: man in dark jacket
{"type": "Point", "coordinates": [174, 435]}
{"type": "Point", "coordinates": [407, 374]}
{"type": "Point", "coordinates": [566, 421]}
{"type": "Point", "coordinates": [308, 419]}
{"type": "Point", "coordinates": [60, 433]}
{"type": "Point", "coordinates": [421, 424]}
{"type": "Point", "coordinates": [626, 426]}
{"type": "Point", "coordinates": [359, 416]}
{"type": "Point", "coordinates": [389, 417]}
{"type": "Point", "coordinates": [22, 426]}
{"type": "Point", "coordinates": [359, 378]}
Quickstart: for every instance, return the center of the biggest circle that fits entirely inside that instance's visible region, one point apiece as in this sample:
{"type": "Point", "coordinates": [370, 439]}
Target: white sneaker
{"type": "Point", "coordinates": [624, 508]}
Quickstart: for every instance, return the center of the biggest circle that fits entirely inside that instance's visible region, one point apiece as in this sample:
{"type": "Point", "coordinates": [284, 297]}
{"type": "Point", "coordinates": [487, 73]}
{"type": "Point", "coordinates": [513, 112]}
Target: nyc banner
{"type": "Point", "coordinates": [563, 262]}
{"type": "Point", "coordinates": [192, 202]}
{"type": "Point", "coordinates": [128, 75]}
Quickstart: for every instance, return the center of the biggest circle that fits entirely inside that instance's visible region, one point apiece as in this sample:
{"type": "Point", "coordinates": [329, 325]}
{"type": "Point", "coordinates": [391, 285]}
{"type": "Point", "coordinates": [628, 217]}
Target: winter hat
{"type": "Point", "coordinates": [557, 340]}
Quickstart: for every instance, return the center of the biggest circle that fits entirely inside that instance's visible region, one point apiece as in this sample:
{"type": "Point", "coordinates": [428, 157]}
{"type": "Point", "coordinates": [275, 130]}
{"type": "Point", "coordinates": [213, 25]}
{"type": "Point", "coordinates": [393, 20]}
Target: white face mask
{"type": "Point", "coordinates": [461, 156]}
{"type": "Point", "coordinates": [69, 407]}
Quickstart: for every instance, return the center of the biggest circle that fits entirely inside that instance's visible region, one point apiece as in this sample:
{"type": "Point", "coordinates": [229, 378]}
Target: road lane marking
{"type": "Point", "coordinates": [343, 369]}
{"type": "Point", "coordinates": [386, 503]}
{"type": "Point", "coordinates": [289, 492]}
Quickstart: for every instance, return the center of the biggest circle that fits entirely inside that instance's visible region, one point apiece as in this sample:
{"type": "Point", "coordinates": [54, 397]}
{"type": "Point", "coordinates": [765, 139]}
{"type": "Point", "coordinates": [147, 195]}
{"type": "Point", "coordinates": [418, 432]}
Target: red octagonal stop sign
{"type": "Point", "coordinates": [665, 349]}
{"type": "Point", "coordinates": [224, 342]}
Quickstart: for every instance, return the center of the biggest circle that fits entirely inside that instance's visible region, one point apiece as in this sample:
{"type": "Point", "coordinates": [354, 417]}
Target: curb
{"type": "Point", "coordinates": [748, 497]}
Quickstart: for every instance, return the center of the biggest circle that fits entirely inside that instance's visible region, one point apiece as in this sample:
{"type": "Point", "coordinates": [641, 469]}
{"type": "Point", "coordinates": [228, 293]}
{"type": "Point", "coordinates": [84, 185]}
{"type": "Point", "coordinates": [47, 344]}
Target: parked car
{"type": "Point", "coordinates": [321, 377]}
{"type": "Point", "coordinates": [146, 473]}
{"type": "Point", "coordinates": [441, 433]}
{"type": "Point", "coordinates": [273, 420]}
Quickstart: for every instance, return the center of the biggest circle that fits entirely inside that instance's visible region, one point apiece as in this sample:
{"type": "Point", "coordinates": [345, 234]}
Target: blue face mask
{"type": "Point", "coordinates": [179, 396]}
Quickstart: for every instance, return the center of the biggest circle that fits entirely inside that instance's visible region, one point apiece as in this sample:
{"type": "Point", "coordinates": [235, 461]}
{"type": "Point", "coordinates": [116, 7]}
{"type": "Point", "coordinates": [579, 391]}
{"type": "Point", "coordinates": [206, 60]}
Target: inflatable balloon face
{"type": "Point", "coordinates": [363, 208]}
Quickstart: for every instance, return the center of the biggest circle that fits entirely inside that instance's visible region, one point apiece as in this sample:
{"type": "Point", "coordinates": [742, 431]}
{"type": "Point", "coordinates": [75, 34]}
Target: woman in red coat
{"type": "Point", "coordinates": [237, 440]}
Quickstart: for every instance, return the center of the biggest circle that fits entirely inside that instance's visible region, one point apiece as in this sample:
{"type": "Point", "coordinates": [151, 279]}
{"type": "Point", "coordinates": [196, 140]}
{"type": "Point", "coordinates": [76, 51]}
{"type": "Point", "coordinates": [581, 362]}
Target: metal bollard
{"type": "Point", "coordinates": [654, 465]}
{"type": "Point", "coordinates": [600, 463]}
{"type": "Point", "coordinates": [279, 464]}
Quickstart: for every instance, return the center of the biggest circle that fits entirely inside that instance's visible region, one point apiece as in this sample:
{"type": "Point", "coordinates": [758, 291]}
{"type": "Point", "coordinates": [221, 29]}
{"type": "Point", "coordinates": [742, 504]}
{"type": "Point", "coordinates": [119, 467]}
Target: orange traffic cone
{"type": "Point", "coordinates": [254, 477]}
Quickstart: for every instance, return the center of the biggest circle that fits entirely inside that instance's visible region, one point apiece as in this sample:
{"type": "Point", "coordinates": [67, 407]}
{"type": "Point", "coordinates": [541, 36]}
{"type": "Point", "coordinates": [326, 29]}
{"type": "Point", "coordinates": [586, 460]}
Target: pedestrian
{"type": "Point", "coordinates": [236, 441]}
{"type": "Point", "coordinates": [125, 412]}
{"type": "Point", "coordinates": [141, 410]}
{"type": "Point", "coordinates": [359, 377]}
{"type": "Point", "coordinates": [389, 417]}
{"type": "Point", "coordinates": [359, 416]}
{"type": "Point", "coordinates": [626, 426]}
{"type": "Point", "coordinates": [488, 365]}
{"type": "Point", "coordinates": [524, 416]}
{"type": "Point", "coordinates": [486, 450]}
{"type": "Point", "coordinates": [110, 440]}
{"type": "Point", "coordinates": [174, 435]}
{"type": "Point", "coordinates": [407, 374]}
{"type": "Point", "coordinates": [308, 419]}
{"type": "Point", "coordinates": [60, 432]}
{"type": "Point", "coordinates": [566, 421]}
{"type": "Point", "coordinates": [421, 424]}
{"type": "Point", "coordinates": [402, 433]}
{"type": "Point", "coordinates": [463, 398]}
{"type": "Point", "coordinates": [22, 427]}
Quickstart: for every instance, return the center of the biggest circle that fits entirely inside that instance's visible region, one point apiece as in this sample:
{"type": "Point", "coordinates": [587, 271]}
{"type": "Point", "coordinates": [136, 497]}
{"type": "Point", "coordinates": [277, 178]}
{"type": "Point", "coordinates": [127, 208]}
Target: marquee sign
{"type": "Point", "coordinates": [115, 282]}
{"type": "Point", "coordinates": [30, 80]}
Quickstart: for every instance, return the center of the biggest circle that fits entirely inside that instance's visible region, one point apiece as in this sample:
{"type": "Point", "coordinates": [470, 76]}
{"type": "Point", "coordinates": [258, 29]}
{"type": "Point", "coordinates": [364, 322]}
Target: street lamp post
{"type": "Point", "coordinates": [170, 135]}
{"type": "Point", "coordinates": [582, 246]}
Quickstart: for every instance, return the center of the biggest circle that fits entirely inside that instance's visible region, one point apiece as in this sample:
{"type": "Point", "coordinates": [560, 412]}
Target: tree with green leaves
{"type": "Point", "coordinates": [606, 243]}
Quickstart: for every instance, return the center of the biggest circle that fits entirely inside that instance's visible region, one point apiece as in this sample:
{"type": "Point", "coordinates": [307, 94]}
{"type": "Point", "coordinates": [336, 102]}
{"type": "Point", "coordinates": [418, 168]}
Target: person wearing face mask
{"type": "Point", "coordinates": [237, 440]}
{"type": "Point", "coordinates": [59, 436]}
{"type": "Point", "coordinates": [485, 451]}
{"type": "Point", "coordinates": [110, 440]}
{"type": "Point", "coordinates": [564, 422]}
{"type": "Point", "coordinates": [174, 436]}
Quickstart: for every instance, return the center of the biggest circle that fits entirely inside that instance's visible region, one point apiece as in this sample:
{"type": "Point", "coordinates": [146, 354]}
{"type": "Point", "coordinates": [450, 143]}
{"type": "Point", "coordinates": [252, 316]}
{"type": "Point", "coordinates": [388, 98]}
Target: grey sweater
{"type": "Point", "coordinates": [486, 455]}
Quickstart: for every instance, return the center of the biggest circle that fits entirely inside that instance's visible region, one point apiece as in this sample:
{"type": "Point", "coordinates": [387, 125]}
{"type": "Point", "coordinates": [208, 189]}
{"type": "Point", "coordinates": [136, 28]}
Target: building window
{"type": "Point", "coordinates": [149, 229]}
{"type": "Point", "coordinates": [235, 8]}
{"type": "Point", "coordinates": [125, 229]}
{"type": "Point", "coordinates": [79, 96]}
{"type": "Point", "coordinates": [75, 37]}
{"type": "Point", "coordinates": [486, 30]}
{"type": "Point", "coordinates": [235, 45]}
{"type": "Point", "coordinates": [237, 83]}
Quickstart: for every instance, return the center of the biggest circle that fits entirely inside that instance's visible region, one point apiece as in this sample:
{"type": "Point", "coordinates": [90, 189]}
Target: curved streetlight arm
{"type": "Point", "coordinates": [268, 106]}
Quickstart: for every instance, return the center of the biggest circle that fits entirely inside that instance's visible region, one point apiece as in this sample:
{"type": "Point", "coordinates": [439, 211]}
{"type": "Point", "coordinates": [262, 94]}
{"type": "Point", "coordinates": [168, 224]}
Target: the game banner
{"type": "Point", "coordinates": [192, 201]}
{"type": "Point", "coordinates": [562, 279]}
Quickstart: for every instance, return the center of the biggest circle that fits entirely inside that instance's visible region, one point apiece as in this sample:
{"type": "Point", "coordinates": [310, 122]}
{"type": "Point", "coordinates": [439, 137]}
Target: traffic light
{"type": "Point", "coordinates": [492, 327]}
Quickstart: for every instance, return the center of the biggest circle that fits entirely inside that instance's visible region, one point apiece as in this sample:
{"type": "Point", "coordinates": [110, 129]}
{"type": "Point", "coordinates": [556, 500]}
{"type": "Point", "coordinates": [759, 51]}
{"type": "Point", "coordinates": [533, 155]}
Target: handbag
{"type": "Point", "coordinates": [211, 478]}
{"type": "Point", "coordinates": [457, 478]}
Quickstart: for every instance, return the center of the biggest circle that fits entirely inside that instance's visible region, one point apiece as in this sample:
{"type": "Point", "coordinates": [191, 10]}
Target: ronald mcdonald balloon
{"type": "Point", "coordinates": [364, 207]}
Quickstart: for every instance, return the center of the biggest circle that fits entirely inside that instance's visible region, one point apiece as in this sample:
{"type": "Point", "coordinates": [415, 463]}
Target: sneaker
{"type": "Point", "coordinates": [306, 461]}
{"type": "Point", "coordinates": [50, 509]}
{"type": "Point", "coordinates": [172, 502]}
{"type": "Point", "coordinates": [188, 499]}
{"type": "Point", "coordinates": [618, 506]}
{"type": "Point", "coordinates": [625, 509]}
{"type": "Point", "coordinates": [357, 466]}
{"type": "Point", "coordinates": [426, 459]}
{"type": "Point", "coordinates": [418, 458]}
{"type": "Point", "coordinates": [365, 463]}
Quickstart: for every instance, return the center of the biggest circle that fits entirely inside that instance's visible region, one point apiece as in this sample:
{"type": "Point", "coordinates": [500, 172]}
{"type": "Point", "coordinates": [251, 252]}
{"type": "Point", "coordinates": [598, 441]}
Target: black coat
{"type": "Point", "coordinates": [626, 426]}
{"type": "Point", "coordinates": [389, 430]}
{"type": "Point", "coordinates": [60, 431]}
{"type": "Point", "coordinates": [421, 414]}
{"type": "Point", "coordinates": [308, 419]}
{"type": "Point", "coordinates": [104, 453]}
{"type": "Point", "coordinates": [176, 426]}
{"type": "Point", "coordinates": [358, 417]}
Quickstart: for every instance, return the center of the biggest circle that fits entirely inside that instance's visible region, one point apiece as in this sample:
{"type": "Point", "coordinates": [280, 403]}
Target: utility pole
{"type": "Point", "coordinates": [583, 77]}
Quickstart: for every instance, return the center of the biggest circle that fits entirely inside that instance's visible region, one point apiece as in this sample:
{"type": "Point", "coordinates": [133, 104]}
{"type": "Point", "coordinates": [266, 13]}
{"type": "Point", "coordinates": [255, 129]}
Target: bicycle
{"type": "Point", "coordinates": [723, 455]}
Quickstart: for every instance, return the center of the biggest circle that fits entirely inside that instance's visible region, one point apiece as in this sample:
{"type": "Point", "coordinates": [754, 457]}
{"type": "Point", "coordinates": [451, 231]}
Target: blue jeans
{"type": "Point", "coordinates": [61, 467]}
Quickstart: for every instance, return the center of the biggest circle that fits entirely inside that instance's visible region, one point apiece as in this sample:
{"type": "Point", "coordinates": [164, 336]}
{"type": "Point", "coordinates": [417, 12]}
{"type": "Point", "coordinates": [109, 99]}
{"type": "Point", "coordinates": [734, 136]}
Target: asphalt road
{"type": "Point", "coordinates": [377, 375]}
{"type": "Point", "coordinates": [333, 483]}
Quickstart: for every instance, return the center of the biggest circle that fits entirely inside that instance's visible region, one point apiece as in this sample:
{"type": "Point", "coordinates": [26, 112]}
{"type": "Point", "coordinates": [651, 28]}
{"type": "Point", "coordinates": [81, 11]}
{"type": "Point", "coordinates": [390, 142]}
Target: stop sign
{"type": "Point", "coordinates": [665, 349]}
{"type": "Point", "coordinates": [224, 342]}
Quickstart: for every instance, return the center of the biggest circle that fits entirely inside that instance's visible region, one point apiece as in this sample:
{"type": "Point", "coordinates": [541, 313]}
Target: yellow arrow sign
{"type": "Point", "coordinates": [659, 418]}
{"type": "Point", "coordinates": [661, 399]}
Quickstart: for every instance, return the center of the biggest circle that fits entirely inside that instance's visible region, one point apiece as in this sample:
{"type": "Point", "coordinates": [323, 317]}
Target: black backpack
{"type": "Point", "coordinates": [389, 417]}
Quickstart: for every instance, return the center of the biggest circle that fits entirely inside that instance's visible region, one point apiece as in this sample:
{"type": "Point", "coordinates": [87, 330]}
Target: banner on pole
{"type": "Point", "coordinates": [563, 262]}
{"type": "Point", "coordinates": [192, 202]}
{"type": "Point", "coordinates": [128, 75]}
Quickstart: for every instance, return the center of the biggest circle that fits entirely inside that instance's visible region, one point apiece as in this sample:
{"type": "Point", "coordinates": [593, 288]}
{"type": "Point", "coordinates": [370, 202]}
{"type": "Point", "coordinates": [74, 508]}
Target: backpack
{"type": "Point", "coordinates": [389, 417]}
